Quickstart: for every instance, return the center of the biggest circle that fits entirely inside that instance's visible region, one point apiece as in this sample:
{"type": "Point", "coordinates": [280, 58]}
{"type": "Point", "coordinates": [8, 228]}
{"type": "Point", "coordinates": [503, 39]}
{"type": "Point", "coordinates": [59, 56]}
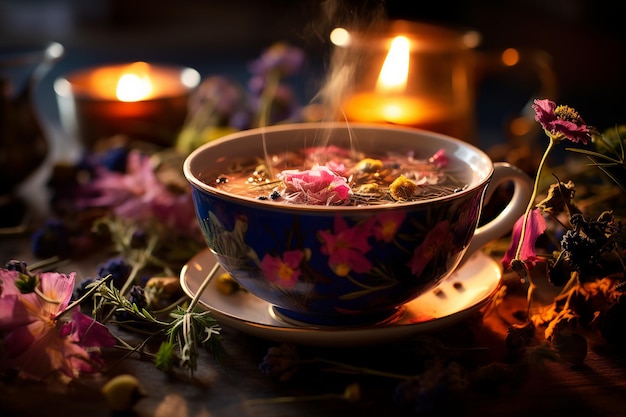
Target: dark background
{"type": "Point", "coordinates": [585, 38]}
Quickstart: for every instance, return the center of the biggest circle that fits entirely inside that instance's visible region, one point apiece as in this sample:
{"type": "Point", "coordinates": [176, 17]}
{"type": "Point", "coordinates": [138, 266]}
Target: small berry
{"type": "Point", "coordinates": [122, 392]}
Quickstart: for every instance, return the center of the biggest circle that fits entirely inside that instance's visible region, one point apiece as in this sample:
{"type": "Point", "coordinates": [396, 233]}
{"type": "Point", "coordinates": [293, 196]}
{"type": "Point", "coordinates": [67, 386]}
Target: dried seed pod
{"type": "Point", "coordinates": [369, 165]}
{"type": "Point", "coordinates": [402, 189]}
{"type": "Point", "coordinates": [226, 284]}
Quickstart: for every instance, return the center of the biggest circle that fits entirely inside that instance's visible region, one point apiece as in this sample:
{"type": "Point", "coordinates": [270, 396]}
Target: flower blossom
{"type": "Point", "coordinates": [38, 339]}
{"type": "Point", "coordinates": [561, 122]}
{"type": "Point", "coordinates": [317, 186]}
{"type": "Point", "coordinates": [283, 271]}
{"type": "Point", "coordinates": [346, 247]}
{"type": "Point", "coordinates": [387, 225]}
{"type": "Point", "coordinates": [430, 247]}
{"type": "Point", "coordinates": [282, 57]}
{"type": "Point", "coordinates": [138, 195]}
{"type": "Point", "coordinates": [535, 226]}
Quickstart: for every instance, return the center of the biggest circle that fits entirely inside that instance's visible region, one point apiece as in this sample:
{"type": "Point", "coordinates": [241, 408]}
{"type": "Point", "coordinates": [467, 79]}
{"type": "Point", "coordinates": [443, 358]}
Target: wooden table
{"type": "Point", "coordinates": [234, 385]}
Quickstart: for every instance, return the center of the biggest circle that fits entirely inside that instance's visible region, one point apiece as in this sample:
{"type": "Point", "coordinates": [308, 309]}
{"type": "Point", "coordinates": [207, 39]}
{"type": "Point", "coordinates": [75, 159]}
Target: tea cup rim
{"type": "Point", "coordinates": [193, 179]}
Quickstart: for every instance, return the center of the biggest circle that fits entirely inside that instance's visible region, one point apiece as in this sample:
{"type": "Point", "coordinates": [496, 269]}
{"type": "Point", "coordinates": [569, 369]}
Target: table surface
{"type": "Point", "coordinates": [233, 385]}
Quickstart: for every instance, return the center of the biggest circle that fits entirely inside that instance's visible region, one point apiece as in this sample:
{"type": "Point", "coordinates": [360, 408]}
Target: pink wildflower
{"type": "Point", "coordinates": [430, 247]}
{"type": "Point", "coordinates": [346, 248]}
{"type": "Point", "coordinates": [284, 272]}
{"type": "Point", "coordinates": [535, 226]}
{"type": "Point", "coordinates": [319, 186]}
{"type": "Point", "coordinates": [138, 194]}
{"type": "Point", "coordinates": [38, 340]}
{"type": "Point", "coordinates": [561, 121]}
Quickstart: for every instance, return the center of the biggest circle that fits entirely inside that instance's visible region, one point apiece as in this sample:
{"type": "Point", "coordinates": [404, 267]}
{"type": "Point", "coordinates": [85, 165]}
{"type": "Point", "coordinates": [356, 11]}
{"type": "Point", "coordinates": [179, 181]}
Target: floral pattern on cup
{"type": "Point", "coordinates": [386, 250]}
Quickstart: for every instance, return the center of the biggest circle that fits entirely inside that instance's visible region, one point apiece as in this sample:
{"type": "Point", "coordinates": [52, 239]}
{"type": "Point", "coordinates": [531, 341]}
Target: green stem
{"type": "Point", "coordinates": [140, 264]}
{"type": "Point", "coordinates": [85, 296]}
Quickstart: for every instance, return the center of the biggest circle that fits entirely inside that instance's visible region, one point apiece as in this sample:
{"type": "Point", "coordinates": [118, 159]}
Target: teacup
{"type": "Point", "coordinates": [352, 264]}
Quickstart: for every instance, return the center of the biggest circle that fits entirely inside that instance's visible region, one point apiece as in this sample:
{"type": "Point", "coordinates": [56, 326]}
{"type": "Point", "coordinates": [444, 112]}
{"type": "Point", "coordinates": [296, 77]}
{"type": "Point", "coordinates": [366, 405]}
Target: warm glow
{"type": "Point", "coordinates": [135, 84]}
{"type": "Point", "coordinates": [510, 57]}
{"type": "Point", "coordinates": [340, 37]}
{"type": "Point", "coordinates": [395, 112]}
{"type": "Point", "coordinates": [395, 71]}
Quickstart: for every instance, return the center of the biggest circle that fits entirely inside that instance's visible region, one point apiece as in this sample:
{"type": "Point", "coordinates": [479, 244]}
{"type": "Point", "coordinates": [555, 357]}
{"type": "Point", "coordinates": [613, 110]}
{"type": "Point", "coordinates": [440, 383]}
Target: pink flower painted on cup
{"type": "Point", "coordinates": [346, 247]}
{"type": "Point", "coordinates": [317, 186]}
{"type": "Point", "coordinates": [283, 271]}
{"type": "Point", "coordinates": [387, 225]}
{"type": "Point", "coordinates": [433, 243]}
{"type": "Point", "coordinates": [38, 339]}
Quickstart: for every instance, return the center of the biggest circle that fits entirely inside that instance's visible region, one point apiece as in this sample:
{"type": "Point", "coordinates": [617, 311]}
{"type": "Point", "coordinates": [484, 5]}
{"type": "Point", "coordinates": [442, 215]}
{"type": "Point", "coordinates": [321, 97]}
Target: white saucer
{"type": "Point", "coordinates": [465, 291]}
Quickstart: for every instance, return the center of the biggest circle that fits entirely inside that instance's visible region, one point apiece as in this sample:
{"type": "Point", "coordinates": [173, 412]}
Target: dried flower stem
{"type": "Point", "coordinates": [529, 208]}
{"type": "Point", "coordinates": [138, 265]}
{"type": "Point", "coordinates": [205, 283]}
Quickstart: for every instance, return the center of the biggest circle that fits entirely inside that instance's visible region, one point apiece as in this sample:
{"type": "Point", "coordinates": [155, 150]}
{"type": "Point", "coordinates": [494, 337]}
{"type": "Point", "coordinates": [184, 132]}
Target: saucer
{"type": "Point", "coordinates": [463, 292]}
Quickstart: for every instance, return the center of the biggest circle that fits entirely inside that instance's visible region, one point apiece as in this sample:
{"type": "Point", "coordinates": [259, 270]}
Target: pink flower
{"type": "Point", "coordinates": [430, 247]}
{"type": "Point", "coordinates": [561, 121]}
{"type": "Point", "coordinates": [440, 159]}
{"type": "Point", "coordinates": [284, 272]}
{"type": "Point", "coordinates": [535, 226]}
{"type": "Point", "coordinates": [138, 194]}
{"type": "Point", "coordinates": [38, 340]}
{"type": "Point", "coordinates": [346, 248]}
{"type": "Point", "coordinates": [387, 225]}
{"type": "Point", "coordinates": [319, 186]}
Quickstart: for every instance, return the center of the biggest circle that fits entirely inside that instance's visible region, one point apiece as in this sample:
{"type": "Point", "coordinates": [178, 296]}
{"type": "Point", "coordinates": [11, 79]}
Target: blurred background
{"type": "Point", "coordinates": [586, 39]}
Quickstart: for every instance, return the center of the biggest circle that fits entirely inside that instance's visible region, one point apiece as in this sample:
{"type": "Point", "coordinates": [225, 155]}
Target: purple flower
{"type": "Point", "coordinates": [118, 268]}
{"type": "Point", "coordinates": [282, 57]}
{"type": "Point", "coordinates": [561, 122]}
{"type": "Point", "coordinates": [280, 362]}
{"type": "Point", "coordinates": [535, 226]}
{"type": "Point", "coordinates": [220, 96]}
{"type": "Point", "coordinates": [52, 239]}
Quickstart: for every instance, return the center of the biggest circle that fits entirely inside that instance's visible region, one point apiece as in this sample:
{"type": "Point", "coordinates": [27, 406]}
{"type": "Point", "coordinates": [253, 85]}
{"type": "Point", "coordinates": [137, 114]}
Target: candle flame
{"type": "Point", "coordinates": [395, 71]}
{"type": "Point", "coordinates": [134, 85]}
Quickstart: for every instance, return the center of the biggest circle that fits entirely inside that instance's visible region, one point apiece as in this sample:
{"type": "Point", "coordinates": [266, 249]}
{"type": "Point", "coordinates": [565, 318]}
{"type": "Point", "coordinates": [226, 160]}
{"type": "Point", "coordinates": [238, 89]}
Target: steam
{"type": "Point", "coordinates": [344, 62]}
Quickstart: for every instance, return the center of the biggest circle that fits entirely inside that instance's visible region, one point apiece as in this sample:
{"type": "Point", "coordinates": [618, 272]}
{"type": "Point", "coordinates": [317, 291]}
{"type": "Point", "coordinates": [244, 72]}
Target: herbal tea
{"type": "Point", "coordinates": [346, 177]}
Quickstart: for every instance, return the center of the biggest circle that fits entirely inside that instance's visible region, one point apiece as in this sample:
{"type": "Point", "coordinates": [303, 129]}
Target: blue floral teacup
{"type": "Point", "coordinates": [346, 264]}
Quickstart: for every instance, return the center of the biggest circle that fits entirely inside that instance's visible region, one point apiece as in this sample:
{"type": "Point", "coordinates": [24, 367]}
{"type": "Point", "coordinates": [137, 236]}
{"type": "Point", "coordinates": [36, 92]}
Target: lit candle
{"type": "Point", "coordinates": [143, 101]}
{"type": "Point", "coordinates": [404, 96]}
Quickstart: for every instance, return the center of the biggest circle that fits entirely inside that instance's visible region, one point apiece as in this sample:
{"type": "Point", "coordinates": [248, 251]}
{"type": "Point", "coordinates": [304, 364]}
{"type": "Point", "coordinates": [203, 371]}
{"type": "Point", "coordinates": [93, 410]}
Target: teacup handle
{"type": "Point", "coordinates": [503, 223]}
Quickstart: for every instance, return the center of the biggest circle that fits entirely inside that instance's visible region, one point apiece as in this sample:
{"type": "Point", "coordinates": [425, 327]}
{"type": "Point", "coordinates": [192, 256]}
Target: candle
{"type": "Point", "coordinates": [410, 79]}
{"type": "Point", "coordinates": [143, 101]}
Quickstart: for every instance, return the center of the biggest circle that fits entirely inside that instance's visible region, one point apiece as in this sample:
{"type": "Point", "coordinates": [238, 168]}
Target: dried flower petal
{"type": "Point", "coordinates": [561, 122]}
{"type": "Point", "coordinates": [535, 226]}
{"type": "Point", "coordinates": [318, 186]}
